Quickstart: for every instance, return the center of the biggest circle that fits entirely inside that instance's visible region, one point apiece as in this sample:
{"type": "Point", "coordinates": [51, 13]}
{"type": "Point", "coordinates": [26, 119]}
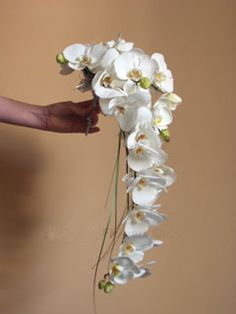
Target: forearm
{"type": "Point", "coordinates": [20, 113]}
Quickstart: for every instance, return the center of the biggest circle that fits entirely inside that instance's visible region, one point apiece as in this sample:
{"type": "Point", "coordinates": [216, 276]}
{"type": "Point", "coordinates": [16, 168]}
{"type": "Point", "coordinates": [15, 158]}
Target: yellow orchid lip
{"type": "Point", "coordinates": [158, 120]}
{"type": "Point", "coordinates": [141, 137]}
{"type": "Point", "coordinates": [121, 110]}
{"type": "Point", "coordinates": [85, 60]}
{"type": "Point", "coordinates": [106, 80]}
{"type": "Point", "coordinates": [160, 77]}
{"type": "Point", "coordinates": [129, 248]}
{"type": "Point", "coordinates": [139, 151]}
{"type": "Point", "coordinates": [159, 170]}
{"type": "Point", "coordinates": [139, 216]}
{"type": "Point", "coordinates": [116, 270]}
{"type": "Point", "coordinates": [142, 183]}
{"type": "Point", "coordinates": [135, 74]}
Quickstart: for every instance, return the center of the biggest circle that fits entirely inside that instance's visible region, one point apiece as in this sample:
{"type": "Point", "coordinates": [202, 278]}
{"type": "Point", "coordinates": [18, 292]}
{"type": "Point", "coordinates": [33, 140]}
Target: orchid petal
{"type": "Point", "coordinates": [72, 52]}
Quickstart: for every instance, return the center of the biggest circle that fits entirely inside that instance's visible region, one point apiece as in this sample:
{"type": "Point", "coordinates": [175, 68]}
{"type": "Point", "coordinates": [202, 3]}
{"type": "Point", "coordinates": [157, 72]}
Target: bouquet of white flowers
{"type": "Point", "coordinates": [137, 89]}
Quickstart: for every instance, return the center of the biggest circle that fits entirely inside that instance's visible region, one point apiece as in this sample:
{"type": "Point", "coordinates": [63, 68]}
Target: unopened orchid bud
{"type": "Point", "coordinates": [108, 287]}
{"type": "Point", "coordinates": [61, 59]}
{"type": "Point", "coordinates": [165, 134]}
{"type": "Point", "coordinates": [172, 97]}
{"type": "Point", "coordinates": [145, 82]}
{"type": "Point", "coordinates": [101, 284]}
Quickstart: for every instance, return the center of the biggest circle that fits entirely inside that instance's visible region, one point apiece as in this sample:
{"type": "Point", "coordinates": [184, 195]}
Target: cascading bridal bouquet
{"type": "Point", "coordinates": [137, 89]}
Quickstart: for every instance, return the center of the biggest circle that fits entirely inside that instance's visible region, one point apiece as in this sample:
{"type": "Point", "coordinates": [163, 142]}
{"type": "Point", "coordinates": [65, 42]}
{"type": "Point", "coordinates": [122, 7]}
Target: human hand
{"type": "Point", "coordinates": [71, 117]}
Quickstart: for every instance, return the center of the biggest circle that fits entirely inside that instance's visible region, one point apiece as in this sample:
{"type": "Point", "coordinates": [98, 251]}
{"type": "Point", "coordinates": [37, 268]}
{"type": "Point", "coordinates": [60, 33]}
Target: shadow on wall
{"type": "Point", "coordinates": [20, 162]}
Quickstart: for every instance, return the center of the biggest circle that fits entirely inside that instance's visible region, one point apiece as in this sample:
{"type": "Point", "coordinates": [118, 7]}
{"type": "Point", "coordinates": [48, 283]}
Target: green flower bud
{"type": "Point", "coordinates": [174, 98]}
{"type": "Point", "coordinates": [101, 284]}
{"type": "Point", "coordinates": [61, 59]}
{"type": "Point", "coordinates": [165, 134]}
{"type": "Point", "coordinates": [108, 287]}
{"type": "Point", "coordinates": [145, 82]}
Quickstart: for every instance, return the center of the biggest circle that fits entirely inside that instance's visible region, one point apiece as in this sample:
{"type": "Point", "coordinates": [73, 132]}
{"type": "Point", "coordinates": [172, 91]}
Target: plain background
{"type": "Point", "coordinates": [53, 186]}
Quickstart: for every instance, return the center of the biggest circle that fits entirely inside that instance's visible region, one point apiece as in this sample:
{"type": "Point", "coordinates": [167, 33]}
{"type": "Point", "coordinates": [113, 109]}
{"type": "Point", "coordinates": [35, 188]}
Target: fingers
{"type": "Point", "coordinates": [85, 108]}
{"type": "Point", "coordinates": [93, 118]}
{"type": "Point", "coordinates": [78, 128]}
{"type": "Point", "coordinates": [69, 117]}
{"type": "Point", "coordinates": [85, 124]}
{"type": "Point", "coordinates": [94, 130]}
{"type": "Point", "coordinates": [97, 105]}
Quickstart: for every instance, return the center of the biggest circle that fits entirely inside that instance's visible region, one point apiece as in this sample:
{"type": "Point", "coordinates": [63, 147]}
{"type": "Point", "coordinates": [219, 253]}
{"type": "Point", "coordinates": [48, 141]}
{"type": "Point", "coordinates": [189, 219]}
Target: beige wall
{"type": "Point", "coordinates": [52, 186]}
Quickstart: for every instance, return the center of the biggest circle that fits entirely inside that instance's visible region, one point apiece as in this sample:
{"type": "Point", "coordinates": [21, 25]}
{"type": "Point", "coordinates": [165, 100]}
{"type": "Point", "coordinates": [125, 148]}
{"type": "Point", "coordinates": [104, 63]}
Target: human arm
{"type": "Point", "coordinates": [64, 117]}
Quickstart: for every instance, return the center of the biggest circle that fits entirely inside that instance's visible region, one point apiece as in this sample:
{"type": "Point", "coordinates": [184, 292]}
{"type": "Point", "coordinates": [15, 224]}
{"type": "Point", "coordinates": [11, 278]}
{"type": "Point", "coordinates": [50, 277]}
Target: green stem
{"type": "Point", "coordinates": [107, 227]}
{"type": "Point", "coordinates": [115, 199]}
{"type": "Point", "coordinates": [118, 236]}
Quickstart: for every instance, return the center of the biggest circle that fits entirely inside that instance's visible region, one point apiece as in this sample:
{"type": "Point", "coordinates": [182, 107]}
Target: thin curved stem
{"type": "Point", "coordinates": [118, 236]}
{"type": "Point", "coordinates": [115, 200]}
{"type": "Point", "coordinates": [107, 227]}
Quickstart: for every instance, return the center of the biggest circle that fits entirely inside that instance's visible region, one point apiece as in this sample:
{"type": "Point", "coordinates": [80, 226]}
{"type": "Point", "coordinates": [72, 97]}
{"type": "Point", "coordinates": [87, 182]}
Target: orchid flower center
{"type": "Point", "coordinates": [142, 183]}
{"type": "Point", "coordinates": [121, 110]}
{"type": "Point", "coordinates": [106, 80]}
{"type": "Point", "coordinates": [135, 74]}
{"type": "Point", "coordinates": [116, 270]}
{"type": "Point", "coordinates": [85, 60]}
{"type": "Point", "coordinates": [129, 248]}
{"type": "Point", "coordinates": [139, 151]}
{"type": "Point", "coordinates": [139, 216]}
{"type": "Point", "coordinates": [141, 137]}
{"type": "Point", "coordinates": [160, 77]}
{"type": "Point", "coordinates": [159, 170]}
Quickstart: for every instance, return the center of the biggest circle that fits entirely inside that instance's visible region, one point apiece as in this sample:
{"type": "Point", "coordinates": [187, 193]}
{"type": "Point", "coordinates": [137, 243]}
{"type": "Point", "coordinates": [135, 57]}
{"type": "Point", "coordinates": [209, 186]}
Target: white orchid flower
{"type": "Point", "coordinates": [81, 56]}
{"type": "Point", "coordinates": [126, 109]}
{"type": "Point", "coordinates": [143, 157]}
{"type": "Point", "coordinates": [109, 57]}
{"type": "Point", "coordinates": [163, 77]}
{"type": "Point", "coordinates": [124, 269]}
{"type": "Point", "coordinates": [143, 135]}
{"type": "Point", "coordinates": [135, 246]}
{"type": "Point", "coordinates": [144, 117]}
{"type": "Point", "coordinates": [120, 44]}
{"type": "Point", "coordinates": [140, 219]}
{"type": "Point", "coordinates": [115, 48]}
{"type": "Point", "coordinates": [148, 185]}
{"type": "Point", "coordinates": [106, 85]}
{"type": "Point", "coordinates": [162, 116]}
{"type": "Point", "coordinates": [162, 171]}
{"type": "Point", "coordinates": [135, 66]}
{"type": "Point", "coordinates": [146, 188]}
{"type": "Point", "coordinates": [144, 149]}
{"type": "Point", "coordinates": [171, 100]}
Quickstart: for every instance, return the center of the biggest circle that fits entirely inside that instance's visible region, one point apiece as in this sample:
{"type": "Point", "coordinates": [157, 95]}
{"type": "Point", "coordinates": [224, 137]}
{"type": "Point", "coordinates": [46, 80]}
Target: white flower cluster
{"type": "Point", "coordinates": [137, 89]}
